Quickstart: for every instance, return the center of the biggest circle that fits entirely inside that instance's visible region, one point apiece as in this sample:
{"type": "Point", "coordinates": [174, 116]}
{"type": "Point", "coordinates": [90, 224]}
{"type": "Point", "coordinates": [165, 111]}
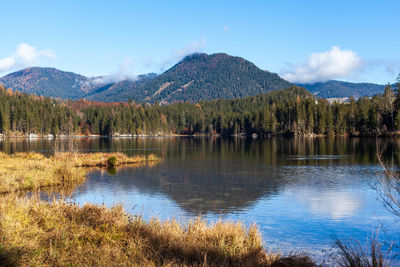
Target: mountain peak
{"type": "Point", "coordinates": [203, 56]}
{"type": "Point", "coordinates": [196, 77]}
{"type": "Point", "coordinates": [200, 76]}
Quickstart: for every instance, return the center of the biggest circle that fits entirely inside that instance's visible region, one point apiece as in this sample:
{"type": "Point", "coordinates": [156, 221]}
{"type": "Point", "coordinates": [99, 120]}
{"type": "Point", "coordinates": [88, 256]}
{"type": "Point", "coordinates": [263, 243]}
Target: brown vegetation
{"type": "Point", "coordinates": [83, 103]}
{"type": "Point", "coordinates": [355, 255]}
{"type": "Point", "coordinates": [38, 233]}
{"type": "Point", "coordinates": [31, 171]}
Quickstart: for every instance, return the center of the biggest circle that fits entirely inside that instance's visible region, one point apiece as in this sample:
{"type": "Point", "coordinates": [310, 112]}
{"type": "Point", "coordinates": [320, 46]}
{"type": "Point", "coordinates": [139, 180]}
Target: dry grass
{"type": "Point", "coordinates": [30, 171]}
{"type": "Point", "coordinates": [37, 233]}
{"type": "Point", "coordinates": [101, 159]}
{"type": "Point", "coordinates": [24, 171]}
{"type": "Point", "coordinates": [355, 255]}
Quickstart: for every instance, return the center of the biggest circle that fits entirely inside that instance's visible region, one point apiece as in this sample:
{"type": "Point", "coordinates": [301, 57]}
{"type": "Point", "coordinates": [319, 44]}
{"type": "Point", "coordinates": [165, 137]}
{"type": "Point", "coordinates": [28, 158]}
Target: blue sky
{"type": "Point", "coordinates": [304, 41]}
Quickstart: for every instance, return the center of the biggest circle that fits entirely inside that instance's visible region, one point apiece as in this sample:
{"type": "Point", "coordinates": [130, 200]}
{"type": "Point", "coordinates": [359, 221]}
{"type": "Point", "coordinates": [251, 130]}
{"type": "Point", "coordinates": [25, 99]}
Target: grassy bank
{"type": "Point", "coordinates": [37, 233]}
{"type": "Point", "coordinates": [30, 171]}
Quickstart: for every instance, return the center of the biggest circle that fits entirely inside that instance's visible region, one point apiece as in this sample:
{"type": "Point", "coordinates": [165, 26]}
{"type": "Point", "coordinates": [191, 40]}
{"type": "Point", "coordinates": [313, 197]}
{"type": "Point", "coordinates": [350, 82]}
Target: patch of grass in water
{"type": "Point", "coordinates": [31, 171]}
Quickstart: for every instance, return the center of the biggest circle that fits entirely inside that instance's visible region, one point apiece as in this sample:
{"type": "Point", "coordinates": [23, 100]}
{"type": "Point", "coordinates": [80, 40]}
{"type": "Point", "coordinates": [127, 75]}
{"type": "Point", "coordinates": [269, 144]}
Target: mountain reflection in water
{"type": "Point", "coordinates": [299, 191]}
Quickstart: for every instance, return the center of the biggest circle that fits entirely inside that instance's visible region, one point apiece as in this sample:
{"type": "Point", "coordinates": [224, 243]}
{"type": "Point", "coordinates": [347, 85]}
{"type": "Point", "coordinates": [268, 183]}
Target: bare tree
{"type": "Point", "coordinates": [388, 187]}
{"type": "Point", "coordinates": [388, 184]}
{"type": "Point", "coordinates": [389, 98]}
{"type": "Point", "coordinates": [66, 145]}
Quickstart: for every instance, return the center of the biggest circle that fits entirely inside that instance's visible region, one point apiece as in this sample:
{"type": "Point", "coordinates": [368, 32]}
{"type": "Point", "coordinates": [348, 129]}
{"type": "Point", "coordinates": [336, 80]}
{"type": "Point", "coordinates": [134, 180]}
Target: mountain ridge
{"type": "Point", "coordinates": [340, 89]}
{"type": "Point", "coordinates": [201, 77]}
{"type": "Point", "coordinates": [48, 81]}
{"type": "Point", "coordinates": [196, 77]}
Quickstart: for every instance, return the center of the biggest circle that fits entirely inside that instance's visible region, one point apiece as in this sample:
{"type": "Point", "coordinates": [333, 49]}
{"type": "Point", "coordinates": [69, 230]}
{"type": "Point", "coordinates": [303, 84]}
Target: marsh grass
{"type": "Point", "coordinates": [353, 254]}
{"type": "Point", "coordinates": [31, 171]}
{"type": "Point", "coordinates": [101, 159]}
{"type": "Point", "coordinates": [38, 233]}
{"type": "Point", "coordinates": [34, 232]}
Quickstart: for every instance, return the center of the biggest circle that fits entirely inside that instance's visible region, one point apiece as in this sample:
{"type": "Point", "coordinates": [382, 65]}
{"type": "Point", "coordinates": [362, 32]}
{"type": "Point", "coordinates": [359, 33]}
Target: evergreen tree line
{"type": "Point", "coordinates": [292, 111]}
{"type": "Point", "coordinates": [23, 113]}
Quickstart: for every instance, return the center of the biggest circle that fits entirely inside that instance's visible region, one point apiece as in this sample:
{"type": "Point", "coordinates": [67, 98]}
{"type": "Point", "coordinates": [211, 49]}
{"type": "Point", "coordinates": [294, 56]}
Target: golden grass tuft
{"type": "Point", "coordinates": [101, 159]}
{"type": "Point", "coordinates": [38, 233]}
{"type": "Point", "coordinates": [31, 171]}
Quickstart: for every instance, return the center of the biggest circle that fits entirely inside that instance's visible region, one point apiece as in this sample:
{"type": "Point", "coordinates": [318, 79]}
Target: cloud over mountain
{"type": "Point", "coordinates": [321, 67]}
{"type": "Point", "coordinates": [6, 63]}
{"type": "Point", "coordinates": [179, 54]}
{"type": "Point", "coordinates": [124, 72]}
{"type": "Point", "coordinates": [23, 56]}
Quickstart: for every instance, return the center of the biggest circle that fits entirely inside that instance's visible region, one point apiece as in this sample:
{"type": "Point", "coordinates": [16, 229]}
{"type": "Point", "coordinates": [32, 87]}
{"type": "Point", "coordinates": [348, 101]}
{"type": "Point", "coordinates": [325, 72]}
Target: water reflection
{"type": "Point", "coordinates": [234, 187]}
{"type": "Point", "coordinates": [348, 150]}
{"type": "Point", "coordinates": [325, 202]}
{"type": "Point", "coordinates": [300, 191]}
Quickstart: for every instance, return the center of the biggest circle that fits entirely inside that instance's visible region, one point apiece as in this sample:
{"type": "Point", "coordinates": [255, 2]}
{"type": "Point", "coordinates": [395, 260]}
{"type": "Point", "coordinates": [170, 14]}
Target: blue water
{"type": "Point", "coordinates": [302, 193]}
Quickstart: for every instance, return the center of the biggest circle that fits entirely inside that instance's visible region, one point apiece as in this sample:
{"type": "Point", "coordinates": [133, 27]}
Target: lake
{"type": "Point", "coordinates": [301, 192]}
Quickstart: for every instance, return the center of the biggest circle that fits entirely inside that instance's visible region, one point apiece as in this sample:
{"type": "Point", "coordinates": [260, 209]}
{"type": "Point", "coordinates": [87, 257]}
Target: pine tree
{"type": "Point", "coordinates": [5, 119]}
{"type": "Point", "coordinates": [389, 101]}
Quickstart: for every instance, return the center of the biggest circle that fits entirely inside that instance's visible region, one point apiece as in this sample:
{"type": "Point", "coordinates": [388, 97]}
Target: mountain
{"type": "Point", "coordinates": [197, 77]}
{"type": "Point", "coordinates": [110, 91]}
{"type": "Point", "coordinates": [339, 89]}
{"type": "Point", "coordinates": [48, 82]}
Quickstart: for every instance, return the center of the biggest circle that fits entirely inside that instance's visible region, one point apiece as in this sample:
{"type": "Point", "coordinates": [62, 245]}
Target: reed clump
{"type": "Point", "coordinates": [31, 171]}
{"type": "Point", "coordinates": [38, 233]}
{"type": "Point", "coordinates": [355, 255]}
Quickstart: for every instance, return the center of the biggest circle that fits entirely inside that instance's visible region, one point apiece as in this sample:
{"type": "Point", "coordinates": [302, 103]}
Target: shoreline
{"type": "Point", "coordinates": [62, 233]}
{"type": "Point", "coordinates": [77, 234]}
{"type": "Point", "coordinates": [33, 136]}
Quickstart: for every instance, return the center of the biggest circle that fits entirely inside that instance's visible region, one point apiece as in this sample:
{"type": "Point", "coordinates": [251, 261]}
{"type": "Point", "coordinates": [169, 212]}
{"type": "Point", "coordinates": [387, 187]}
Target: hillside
{"type": "Point", "coordinates": [291, 111]}
{"type": "Point", "coordinates": [198, 77]}
{"type": "Point", "coordinates": [48, 82]}
{"type": "Point", "coordinates": [333, 89]}
{"type": "Point", "coordinates": [112, 92]}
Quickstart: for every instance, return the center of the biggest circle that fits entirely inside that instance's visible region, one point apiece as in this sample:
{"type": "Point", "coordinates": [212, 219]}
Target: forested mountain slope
{"type": "Point", "coordinates": [199, 77]}
{"type": "Point", "coordinates": [339, 89]}
{"type": "Point", "coordinates": [48, 82]}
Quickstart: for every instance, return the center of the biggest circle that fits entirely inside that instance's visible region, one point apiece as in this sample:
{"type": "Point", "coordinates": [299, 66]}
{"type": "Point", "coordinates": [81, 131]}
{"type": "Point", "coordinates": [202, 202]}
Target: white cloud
{"type": "Point", "coordinates": [125, 72]}
{"type": "Point", "coordinates": [47, 53]}
{"type": "Point", "coordinates": [179, 54]}
{"type": "Point", "coordinates": [175, 56]}
{"type": "Point", "coordinates": [193, 47]}
{"type": "Point", "coordinates": [24, 55]}
{"type": "Point", "coordinates": [332, 64]}
{"type": "Point", "coordinates": [6, 63]}
{"type": "Point", "coordinates": [391, 66]}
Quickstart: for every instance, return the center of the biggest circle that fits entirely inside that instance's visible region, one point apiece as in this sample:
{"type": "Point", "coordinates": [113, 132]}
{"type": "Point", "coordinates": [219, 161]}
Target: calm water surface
{"type": "Point", "coordinates": [300, 192]}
